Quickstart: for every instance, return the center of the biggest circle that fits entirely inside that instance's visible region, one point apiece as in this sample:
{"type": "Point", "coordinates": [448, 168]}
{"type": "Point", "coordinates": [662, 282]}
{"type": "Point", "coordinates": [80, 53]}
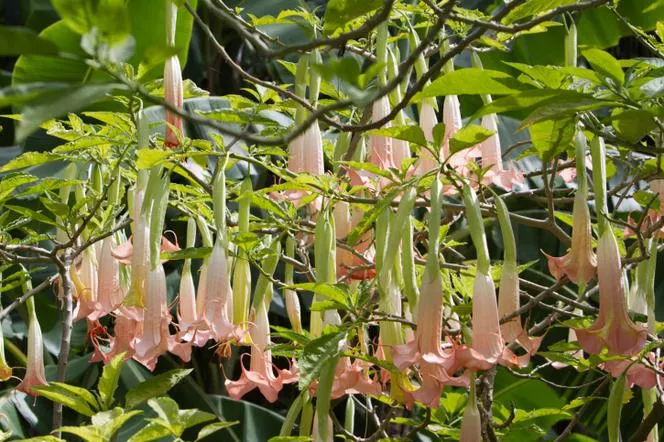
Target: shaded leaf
{"type": "Point", "coordinates": [155, 386]}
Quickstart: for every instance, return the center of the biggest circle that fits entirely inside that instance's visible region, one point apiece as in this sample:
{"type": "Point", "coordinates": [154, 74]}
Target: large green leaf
{"type": "Point", "coordinates": [256, 423]}
{"type": "Point", "coordinates": [18, 40]}
{"type": "Point", "coordinates": [316, 353]}
{"type": "Point", "coordinates": [76, 398]}
{"type": "Point", "coordinates": [155, 386]}
{"type": "Point", "coordinates": [473, 81]}
{"type": "Point", "coordinates": [108, 383]}
{"type": "Point", "coordinates": [340, 12]}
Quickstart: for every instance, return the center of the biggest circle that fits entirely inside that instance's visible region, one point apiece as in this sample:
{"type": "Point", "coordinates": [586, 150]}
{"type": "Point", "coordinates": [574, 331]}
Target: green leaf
{"type": "Point", "coordinates": [411, 133]}
{"type": "Point", "coordinates": [213, 428]}
{"type": "Point", "coordinates": [155, 386]}
{"type": "Point", "coordinates": [166, 408]}
{"type": "Point", "coordinates": [72, 99]}
{"type": "Point", "coordinates": [535, 7]}
{"type": "Point", "coordinates": [87, 433]}
{"type": "Point", "coordinates": [339, 12]}
{"type": "Point", "coordinates": [30, 159]}
{"type": "Point", "coordinates": [473, 81]}
{"type": "Point", "coordinates": [109, 422]}
{"type": "Point", "coordinates": [605, 64]}
{"type": "Point", "coordinates": [551, 137]}
{"type": "Point", "coordinates": [534, 98]}
{"type": "Point", "coordinates": [336, 293]}
{"type": "Point", "coordinates": [108, 383]}
{"type": "Point", "coordinates": [148, 157]}
{"type": "Point", "coordinates": [188, 253]}
{"type": "Point", "coordinates": [150, 432]}
{"type": "Point", "coordinates": [76, 398]}
{"type": "Point", "coordinates": [469, 136]}
{"type": "Point", "coordinates": [632, 124]}
{"type": "Point", "coordinates": [316, 353]}
{"type": "Point", "coordinates": [15, 40]}
{"type": "Point", "coordinates": [653, 88]}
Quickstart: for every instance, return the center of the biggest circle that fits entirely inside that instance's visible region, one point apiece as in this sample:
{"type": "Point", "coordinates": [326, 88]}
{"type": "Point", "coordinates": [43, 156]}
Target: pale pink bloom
{"type": "Point", "coordinates": [345, 222]}
{"type": "Point", "coordinates": [580, 264]}
{"type": "Point", "coordinates": [488, 346]}
{"type": "Point", "coordinates": [637, 374]}
{"type": "Point", "coordinates": [110, 293]}
{"type": "Point", "coordinates": [353, 378]}
{"type": "Point", "coordinates": [613, 327]}
{"type": "Point", "coordinates": [261, 371]}
{"type": "Point", "coordinates": [85, 280]}
{"type": "Point", "coordinates": [380, 148]}
{"type": "Point", "coordinates": [492, 157]}
{"type": "Point", "coordinates": [428, 121]}
{"type": "Point", "coordinates": [471, 425]}
{"type": "Point", "coordinates": [35, 375]}
{"type": "Point", "coordinates": [218, 295]}
{"type": "Point", "coordinates": [437, 366]}
{"type": "Point", "coordinates": [139, 258]}
{"type": "Point", "coordinates": [509, 302]}
{"type": "Point", "coordinates": [173, 95]}
{"type": "Point", "coordinates": [400, 151]}
{"type": "Point", "coordinates": [128, 328]}
{"type": "Point", "coordinates": [305, 155]}
{"type": "Point", "coordinates": [453, 124]}
{"type": "Point", "coordinates": [192, 327]}
{"type": "Point", "coordinates": [124, 252]}
{"type": "Point", "coordinates": [652, 217]}
{"type": "Point", "coordinates": [156, 339]}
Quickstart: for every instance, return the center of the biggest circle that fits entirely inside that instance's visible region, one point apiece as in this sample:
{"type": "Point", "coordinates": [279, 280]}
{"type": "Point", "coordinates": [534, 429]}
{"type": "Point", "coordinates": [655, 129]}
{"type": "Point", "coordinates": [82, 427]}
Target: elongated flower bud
{"type": "Point", "coordinates": [290, 296]}
{"type": "Point", "coordinates": [471, 425]}
{"type": "Point", "coordinates": [174, 96]}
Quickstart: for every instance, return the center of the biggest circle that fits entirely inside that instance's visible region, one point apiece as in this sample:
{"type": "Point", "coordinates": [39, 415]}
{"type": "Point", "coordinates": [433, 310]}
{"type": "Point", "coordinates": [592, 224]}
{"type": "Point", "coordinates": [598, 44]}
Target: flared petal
{"type": "Point", "coordinates": [35, 374]}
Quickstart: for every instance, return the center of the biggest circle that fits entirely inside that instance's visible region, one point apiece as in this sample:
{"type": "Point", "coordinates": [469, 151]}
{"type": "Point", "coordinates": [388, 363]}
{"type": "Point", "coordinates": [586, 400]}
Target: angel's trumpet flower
{"type": "Point", "coordinates": [35, 373]}
{"type": "Point", "coordinates": [436, 365]}
{"type": "Point", "coordinates": [261, 371]}
{"type": "Point", "coordinates": [580, 264]}
{"type": "Point", "coordinates": [218, 293]}
{"type": "Point", "coordinates": [400, 148]}
{"type": "Point", "coordinates": [291, 299]}
{"type": "Point", "coordinates": [613, 328]}
{"type": "Point", "coordinates": [492, 157]}
{"type": "Point", "coordinates": [110, 291]}
{"type": "Point", "coordinates": [508, 296]}
{"type": "Point", "coordinates": [428, 121]}
{"type": "Point", "coordinates": [173, 95]}
{"type": "Point", "coordinates": [153, 342]}
{"type": "Point", "coordinates": [85, 280]}
{"type": "Point", "coordinates": [173, 88]}
{"type": "Point", "coordinates": [471, 425]}
{"type": "Point", "coordinates": [380, 147]}
{"type": "Point", "coordinates": [347, 261]}
{"type": "Point", "coordinates": [5, 369]}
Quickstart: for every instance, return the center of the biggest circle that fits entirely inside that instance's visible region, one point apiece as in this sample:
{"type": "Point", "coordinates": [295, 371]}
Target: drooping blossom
{"type": "Point", "coordinates": [580, 263]}
{"type": "Point", "coordinates": [127, 329]}
{"type": "Point", "coordinates": [380, 147]}
{"type": "Point", "coordinates": [156, 338]}
{"type": "Point", "coordinates": [85, 281]}
{"type": "Point", "coordinates": [492, 157]}
{"type": "Point", "coordinates": [613, 328]}
{"type": "Point", "coordinates": [428, 121]}
{"type": "Point", "coordinates": [261, 373]}
{"type": "Point", "coordinates": [174, 96]}
{"type": "Point", "coordinates": [508, 302]}
{"type": "Point", "coordinates": [219, 295]}
{"type": "Point", "coordinates": [437, 365]}
{"type": "Point", "coordinates": [347, 261]}
{"type": "Point", "coordinates": [35, 375]}
{"type": "Point", "coordinates": [110, 294]}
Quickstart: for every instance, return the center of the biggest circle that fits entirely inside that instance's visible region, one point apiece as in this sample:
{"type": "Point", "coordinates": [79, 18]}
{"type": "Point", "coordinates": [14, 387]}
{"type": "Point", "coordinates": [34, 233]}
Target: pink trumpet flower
{"type": "Point", "coordinates": [128, 328]}
{"type": "Point", "coordinates": [380, 149]}
{"type": "Point", "coordinates": [110, 292]}
{"type": "Point", "coordinates": [124, 252]}
{"type": "Point", "coordinates": [192, 327]}
{"type": "Point", "coordinates": [156, 338]}
{"type": "Point", "coordinates": [174, 96]}
{"type": "Point", "coordinates": [347, 261]}
{"type": "Point", "coordinates": [613, 328]}
{"type": "Point", "coordinates": [305, 155]}
{"type": "Point", "coordinates": [35, 373]}
{"type": "Point", "coordinates": [85, 280]}
{"type": "Point", "coordinates": [508, 302]}
{"type": "Point", "coordinates": [353, 378]}
{"type": "Point", "coordinates": [261, 371]}
{"type": "Point", "coordinates": [437, 366]}
{"type": "Point", "coordinates": [492, 157]}
{"type": "Point", "coordinates": [637, 373]}
{"type": "Point", "coordinates": [428, 121]}
{"type": "Point", "coordinates": [580, 264]}
{"type": "Point", "coordinates": [219, 295]}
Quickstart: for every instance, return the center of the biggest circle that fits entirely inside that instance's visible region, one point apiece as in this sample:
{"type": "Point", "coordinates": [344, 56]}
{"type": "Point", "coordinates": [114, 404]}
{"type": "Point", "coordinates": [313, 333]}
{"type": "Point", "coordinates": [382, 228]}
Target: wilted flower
{"type": "Point", "coordinates": [613, 327]}
{"type": "Point", "coordinates": [580, 264]}
{"type": "Point", "coordinates": [173, 95]}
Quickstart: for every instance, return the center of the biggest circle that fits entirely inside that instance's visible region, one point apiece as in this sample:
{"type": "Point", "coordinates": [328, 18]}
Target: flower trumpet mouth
{"type": "Point", "coordinates": [613, 328]}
